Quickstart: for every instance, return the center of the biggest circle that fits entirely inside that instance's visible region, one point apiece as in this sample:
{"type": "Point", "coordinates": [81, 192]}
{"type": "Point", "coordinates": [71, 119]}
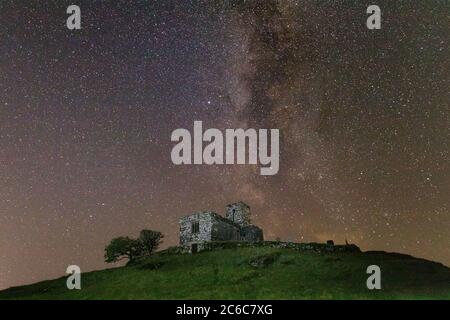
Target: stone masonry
{"type": "Point", "coordinates": [207, 226]}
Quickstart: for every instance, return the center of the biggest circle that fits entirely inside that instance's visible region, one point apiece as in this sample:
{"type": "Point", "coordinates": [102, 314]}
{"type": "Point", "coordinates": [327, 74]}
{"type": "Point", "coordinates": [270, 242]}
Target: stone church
{"type": "Point", "coordinates": [201, 227]}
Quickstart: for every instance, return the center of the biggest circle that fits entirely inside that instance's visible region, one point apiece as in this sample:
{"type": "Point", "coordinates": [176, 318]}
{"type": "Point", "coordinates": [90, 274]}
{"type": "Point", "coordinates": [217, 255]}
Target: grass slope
{"type": "Point", "coordinates": [227, 274]}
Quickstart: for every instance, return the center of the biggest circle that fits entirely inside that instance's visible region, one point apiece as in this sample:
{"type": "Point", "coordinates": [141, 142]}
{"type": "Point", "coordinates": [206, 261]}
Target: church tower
{"type": "Point", "coordinates": [239, 213]}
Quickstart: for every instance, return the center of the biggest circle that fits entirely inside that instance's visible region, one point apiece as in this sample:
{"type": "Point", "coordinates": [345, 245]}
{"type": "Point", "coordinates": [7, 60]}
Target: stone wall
{"type": "Point", "coordinates": [315, 247]}
{"type": "Point", "coordinates": [202, 227]}
{"type": "Point", "coordinates": [205, 225]}
{"type": "Point", "coordinates": [239, 213]}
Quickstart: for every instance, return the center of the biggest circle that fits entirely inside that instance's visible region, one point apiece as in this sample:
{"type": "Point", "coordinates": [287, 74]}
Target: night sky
{"type": "Point", "coordinates": [86, 118]}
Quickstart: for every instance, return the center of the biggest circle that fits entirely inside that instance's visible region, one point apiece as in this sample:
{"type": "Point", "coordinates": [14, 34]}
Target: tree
{"type": "Point", "coordinates": [128, 248]}
{"type": "Point", "coordinates": [150, 240]}
{"type": "Point", "coordinates": [123, 248]}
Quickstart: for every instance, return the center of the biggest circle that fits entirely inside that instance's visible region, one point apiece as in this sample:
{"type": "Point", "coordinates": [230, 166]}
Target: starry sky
{"type": "Point", "coordinates": [86, 118]}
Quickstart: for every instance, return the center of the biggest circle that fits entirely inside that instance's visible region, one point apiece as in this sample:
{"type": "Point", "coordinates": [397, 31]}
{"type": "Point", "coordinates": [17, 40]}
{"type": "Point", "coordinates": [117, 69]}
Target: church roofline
{"type": "Point", "coordinates": [215, 215]}
{"type": "Point", "coordinates": [239, 202]}
{"type": "Point", "coordinates": [223, 219]}
{"type": "Point", "coordinates": [198, 213]}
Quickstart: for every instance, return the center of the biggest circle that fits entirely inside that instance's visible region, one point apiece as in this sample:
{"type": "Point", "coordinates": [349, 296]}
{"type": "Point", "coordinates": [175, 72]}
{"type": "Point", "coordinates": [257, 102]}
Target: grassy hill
{"type": "Point", "coordinates": [260, 272]}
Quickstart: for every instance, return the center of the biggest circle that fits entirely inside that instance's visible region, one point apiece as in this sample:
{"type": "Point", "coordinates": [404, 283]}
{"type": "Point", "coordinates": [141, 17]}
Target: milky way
{"type": "Point", "coordinates": [86, 118]}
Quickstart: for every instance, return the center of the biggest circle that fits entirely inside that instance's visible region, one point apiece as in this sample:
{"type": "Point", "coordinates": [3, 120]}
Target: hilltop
{"type": "Point", "coordinates": [266, 271]}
